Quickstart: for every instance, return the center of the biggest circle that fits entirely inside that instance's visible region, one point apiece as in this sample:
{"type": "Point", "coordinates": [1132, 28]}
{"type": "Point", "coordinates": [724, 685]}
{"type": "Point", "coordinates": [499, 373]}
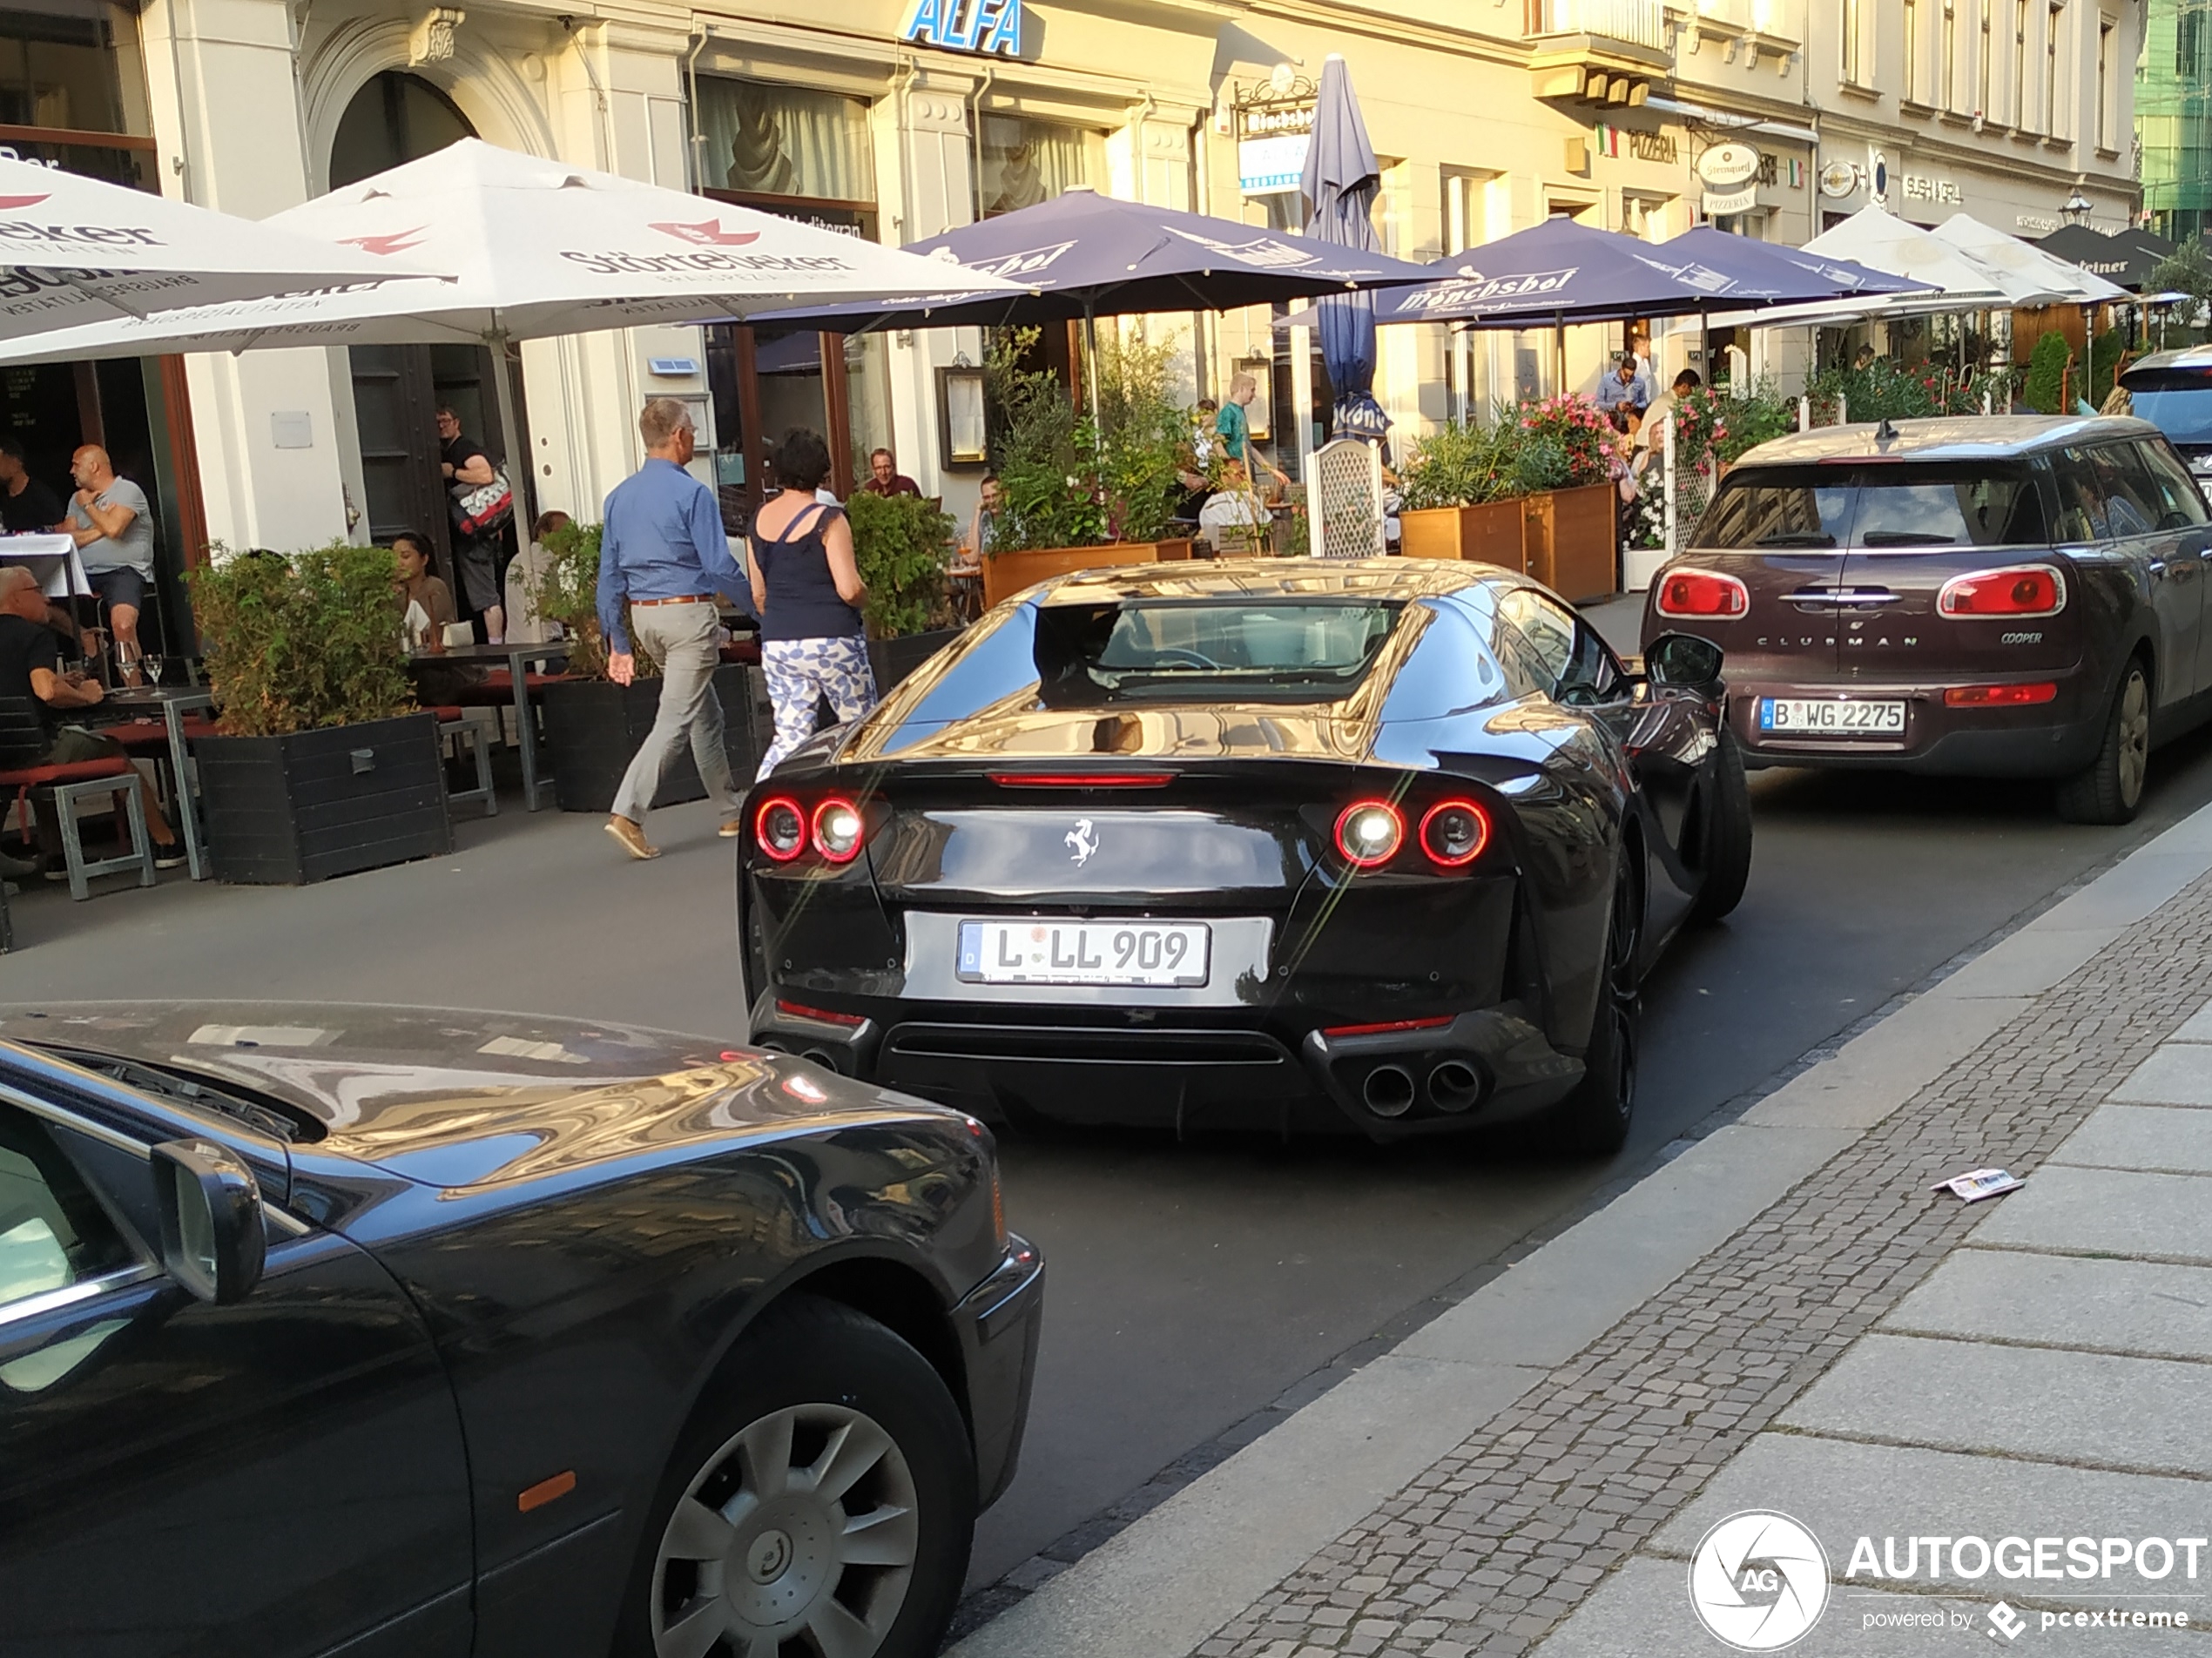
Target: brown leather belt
{"type": "Point", "coordinates": [683, 598]}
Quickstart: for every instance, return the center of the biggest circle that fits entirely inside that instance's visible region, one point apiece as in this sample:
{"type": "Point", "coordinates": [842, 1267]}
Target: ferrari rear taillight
{"type": "Point", "coordinates": [1082, 780]}
{"type": "Point", "coordinates": [2017, 590]}
{"type": "Point", "coordinates": [780, 828]}
{"type": "Point", "coordinates": [837, 830]}
{"type": "Point", "coordinates": [1454, 833]}
{"type": "Point", "coordinates": [1369, 834]}
{"type": "Point", "coordinates": [1699, 593]}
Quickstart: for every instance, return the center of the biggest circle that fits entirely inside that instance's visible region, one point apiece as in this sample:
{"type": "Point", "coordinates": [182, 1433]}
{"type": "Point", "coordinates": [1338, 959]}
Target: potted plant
{"type": "Point", "coordinates": [903, 545]}
{"type": "Point", "coordinates": [324, 764]}
{"type": "Point", "coordinates": [1531, 492]}
{"type": "Point", "coordinates": [594, 727]}
{"type": "Point", "coordinates": [1080, 496]}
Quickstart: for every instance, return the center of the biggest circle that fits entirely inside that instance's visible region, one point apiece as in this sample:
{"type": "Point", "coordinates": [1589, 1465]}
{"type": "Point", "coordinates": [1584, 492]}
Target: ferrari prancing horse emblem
{"type": "Point", "coordinates": [1081, 839]}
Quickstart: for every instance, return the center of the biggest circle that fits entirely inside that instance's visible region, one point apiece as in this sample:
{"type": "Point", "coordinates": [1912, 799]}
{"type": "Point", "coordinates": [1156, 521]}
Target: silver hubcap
{"type": "Point", "coordinates": [800, 1529]}
{"type": "Point", "coordinates": [2134, 739]}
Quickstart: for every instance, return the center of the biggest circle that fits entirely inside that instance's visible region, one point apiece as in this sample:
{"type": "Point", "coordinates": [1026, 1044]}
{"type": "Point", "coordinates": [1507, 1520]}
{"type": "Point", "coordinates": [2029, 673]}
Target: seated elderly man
{"type": "Point", "coordinates": [31, 668]}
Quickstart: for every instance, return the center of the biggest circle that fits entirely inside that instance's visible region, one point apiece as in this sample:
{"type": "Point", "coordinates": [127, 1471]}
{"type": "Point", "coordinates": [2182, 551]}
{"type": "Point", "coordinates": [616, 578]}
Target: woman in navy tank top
{"type": "Point", "coordinates": [808, 591]}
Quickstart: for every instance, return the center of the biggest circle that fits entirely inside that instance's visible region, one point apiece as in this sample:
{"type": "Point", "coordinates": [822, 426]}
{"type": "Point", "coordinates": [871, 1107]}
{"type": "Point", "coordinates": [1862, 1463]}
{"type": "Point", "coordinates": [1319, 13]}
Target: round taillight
{"type": "Point", "coordinates": [1369, 833]}
{"type": "Point", "coordinates": [1702, 593]}
{"type": "Point", "coordinates": [1454, 832]}
{"type": "Point", "coordinates": [837, 830]}
{"type": "Point", "coordinates": [780, 828]}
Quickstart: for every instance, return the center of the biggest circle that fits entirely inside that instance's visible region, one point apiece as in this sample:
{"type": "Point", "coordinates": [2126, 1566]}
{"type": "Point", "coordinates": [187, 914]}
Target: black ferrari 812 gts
{"type": "Point", "coordinates": [1388, 844]}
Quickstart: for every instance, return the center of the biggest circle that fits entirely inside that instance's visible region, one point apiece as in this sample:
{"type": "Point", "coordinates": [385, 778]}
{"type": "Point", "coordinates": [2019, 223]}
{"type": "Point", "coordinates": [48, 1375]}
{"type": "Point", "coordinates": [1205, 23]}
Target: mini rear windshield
{"type": "Point", "coordinates": [1167, 650]}
{"type": "Point", "coordinates": [1881, 505]}
{"type": "Point", "coordinates": [2184, 413]}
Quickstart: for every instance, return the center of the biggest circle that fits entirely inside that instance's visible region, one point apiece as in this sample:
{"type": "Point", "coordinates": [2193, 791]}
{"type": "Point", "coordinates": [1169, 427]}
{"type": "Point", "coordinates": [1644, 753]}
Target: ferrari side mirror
{"type": "Point", "coordinates": [1683, 662]}
{"type": "Point", "coordinates": [213, 1241]}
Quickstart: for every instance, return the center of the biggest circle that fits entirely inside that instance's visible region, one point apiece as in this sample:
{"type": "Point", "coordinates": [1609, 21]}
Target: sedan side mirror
{"type": "Point", "coordinates": [212, 1240]}
{"type": "Point", "coordinates": [1683, 662]}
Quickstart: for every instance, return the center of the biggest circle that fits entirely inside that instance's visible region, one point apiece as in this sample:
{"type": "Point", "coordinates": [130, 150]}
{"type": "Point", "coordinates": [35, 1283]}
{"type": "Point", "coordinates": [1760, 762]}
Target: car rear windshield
{"type": "Point", "coordinates": [1892, 504]}
{"type": "Point", "coordinates": [1168, 649]}
{"type": "Point", "coordinates": [2183, 413]}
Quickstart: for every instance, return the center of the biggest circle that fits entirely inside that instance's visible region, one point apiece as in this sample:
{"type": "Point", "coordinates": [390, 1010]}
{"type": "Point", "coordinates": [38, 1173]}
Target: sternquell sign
{"type": "Point", "coordinates": [989, 28]}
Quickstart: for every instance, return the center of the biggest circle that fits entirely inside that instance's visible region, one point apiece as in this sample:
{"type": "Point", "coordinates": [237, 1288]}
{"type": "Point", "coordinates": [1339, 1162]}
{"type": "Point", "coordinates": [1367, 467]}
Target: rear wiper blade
{"type": "Point", "coordinates": [1906, 538]}
{"type": "Point", "coordinates": [1796, 538]}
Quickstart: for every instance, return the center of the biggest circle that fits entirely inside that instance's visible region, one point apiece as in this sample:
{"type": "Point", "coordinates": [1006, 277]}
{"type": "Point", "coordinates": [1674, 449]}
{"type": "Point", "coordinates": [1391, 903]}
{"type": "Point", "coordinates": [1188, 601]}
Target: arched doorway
{"type": "Point", "coordinates": [397, 117]}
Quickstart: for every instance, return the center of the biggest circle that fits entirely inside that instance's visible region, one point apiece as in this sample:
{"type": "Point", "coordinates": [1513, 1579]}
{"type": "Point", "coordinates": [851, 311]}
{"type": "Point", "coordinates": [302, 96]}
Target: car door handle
{"type": "Point", "coordinates": [2158, 567]}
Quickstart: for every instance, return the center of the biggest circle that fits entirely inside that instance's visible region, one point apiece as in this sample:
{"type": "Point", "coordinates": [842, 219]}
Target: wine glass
{"type": "Point", "coordinates": [150, 667]}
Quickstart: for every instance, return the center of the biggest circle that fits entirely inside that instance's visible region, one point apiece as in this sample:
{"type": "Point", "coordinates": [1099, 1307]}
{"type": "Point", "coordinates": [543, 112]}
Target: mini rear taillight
{"type": "Point", "coordinates": [2000, 696]}
{"type": "Point", "coordinates": [1454, 833]}
{"type": "Point", "coordinates": [824, 1015]}
{"type": "Point", "coordinates": [1688, 593]}
{"type": "Point", "coordinates": [2016, 590]}
{"type": "Point", "coordinates": [780, 828]}
{"type": "Point", "coordinates": [1388, 1026]}
{"type": "Point", "coordinates": [1369, 834]}
{"type": "Point", "coordinates": [838, 830]}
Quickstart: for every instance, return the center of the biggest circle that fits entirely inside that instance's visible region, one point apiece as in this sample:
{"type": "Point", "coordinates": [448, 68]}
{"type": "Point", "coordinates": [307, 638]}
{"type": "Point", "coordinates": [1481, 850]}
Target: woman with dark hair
{"type": "Point", "coordinates": [807, 588]}
{"type": "Point", "coordinates": [413, 586]}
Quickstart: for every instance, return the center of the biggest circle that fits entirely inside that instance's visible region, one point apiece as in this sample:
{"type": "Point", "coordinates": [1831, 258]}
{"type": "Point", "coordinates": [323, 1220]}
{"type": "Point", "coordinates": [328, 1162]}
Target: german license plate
{"type": "Point", "coordinates": [1171, 953]}
{"type": "Point", "coordinates": [1830, 716]}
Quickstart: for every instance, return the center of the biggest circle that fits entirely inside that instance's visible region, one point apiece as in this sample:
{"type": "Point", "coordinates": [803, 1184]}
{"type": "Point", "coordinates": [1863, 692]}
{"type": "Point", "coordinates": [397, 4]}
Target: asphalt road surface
{"type": "Point", "coordinates": [1191, 1284]}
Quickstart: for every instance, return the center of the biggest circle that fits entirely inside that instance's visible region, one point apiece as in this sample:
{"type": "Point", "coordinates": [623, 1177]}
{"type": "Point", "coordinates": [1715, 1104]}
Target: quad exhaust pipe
{"type": "Point", "coordinates": [1388, 1091]}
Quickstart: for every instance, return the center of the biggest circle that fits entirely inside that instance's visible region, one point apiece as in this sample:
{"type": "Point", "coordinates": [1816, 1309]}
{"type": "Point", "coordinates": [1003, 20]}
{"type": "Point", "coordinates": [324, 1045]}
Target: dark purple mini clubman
{"type": "Point", "coordinates": [1984, 598]}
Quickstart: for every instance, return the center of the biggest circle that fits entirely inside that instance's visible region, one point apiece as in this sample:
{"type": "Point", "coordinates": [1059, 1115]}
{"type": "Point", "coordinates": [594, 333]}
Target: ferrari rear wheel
{"type": "Point", "coordinates": [821, 1503]}
{"type": "Point", "coordinates": [1726, 854]}
{"type": "Point", "coordinates": [1594, 1119]}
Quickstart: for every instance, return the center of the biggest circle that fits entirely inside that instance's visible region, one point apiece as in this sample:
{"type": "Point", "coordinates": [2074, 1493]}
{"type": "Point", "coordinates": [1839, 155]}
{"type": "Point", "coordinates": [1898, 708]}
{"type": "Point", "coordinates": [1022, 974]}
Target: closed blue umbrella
{"type": "Point", "coordinates": [1341, 178]}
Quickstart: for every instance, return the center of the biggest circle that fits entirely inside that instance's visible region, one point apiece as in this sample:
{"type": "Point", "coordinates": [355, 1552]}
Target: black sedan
{"type": "Point", "coordinates": [411, 1333]}
{"type": "Point", "coordinates": [1388, 845]}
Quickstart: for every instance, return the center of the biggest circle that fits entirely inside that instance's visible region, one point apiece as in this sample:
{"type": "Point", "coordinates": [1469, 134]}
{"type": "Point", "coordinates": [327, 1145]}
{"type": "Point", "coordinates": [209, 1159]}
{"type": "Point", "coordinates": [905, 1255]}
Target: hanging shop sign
{"type": "Point", "coordinates": [987, 28]}
{"type": "Point", "coordinates": [1272, 142]}
{"type": "Point", "coordinates": [1719, 205]}
{"type": "Point", "coordinates": [1726, 165]}
{"type": "Point", "coordinates": [1840, 178]}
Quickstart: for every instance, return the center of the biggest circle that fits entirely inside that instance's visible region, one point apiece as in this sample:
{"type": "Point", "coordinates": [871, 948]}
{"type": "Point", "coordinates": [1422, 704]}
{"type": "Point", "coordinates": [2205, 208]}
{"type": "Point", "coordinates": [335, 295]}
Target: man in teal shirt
{"type": "Point", "coordinates": [1235, 431]}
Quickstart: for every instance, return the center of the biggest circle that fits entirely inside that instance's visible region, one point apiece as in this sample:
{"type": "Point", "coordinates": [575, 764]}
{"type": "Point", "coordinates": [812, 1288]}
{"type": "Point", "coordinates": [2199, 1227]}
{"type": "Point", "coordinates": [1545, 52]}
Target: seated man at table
{"type": "Point", "coordinates": [113, 528]}
{"type": "Point", "coordinates": [1235, 519]}
{"type": "Point", "coordinates": [31, 668]}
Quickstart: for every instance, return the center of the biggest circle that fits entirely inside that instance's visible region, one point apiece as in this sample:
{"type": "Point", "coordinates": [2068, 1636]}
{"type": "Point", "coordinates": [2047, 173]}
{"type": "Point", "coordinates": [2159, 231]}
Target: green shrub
{"type": "Point", "coordinates": [902, 544]}
{"type": "Point", "coordinates": [1460, 465]}
{"type": "Point", "coordinates": [2045, 391]}
{"type": "Point", "coordinates": [569, 594]}
{"type": "Point", "coordinates": [303, 641]}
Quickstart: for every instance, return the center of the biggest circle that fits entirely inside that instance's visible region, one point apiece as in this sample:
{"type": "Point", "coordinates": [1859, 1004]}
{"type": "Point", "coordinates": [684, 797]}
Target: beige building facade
{"type": "Point", "coordinates": [900, 118]}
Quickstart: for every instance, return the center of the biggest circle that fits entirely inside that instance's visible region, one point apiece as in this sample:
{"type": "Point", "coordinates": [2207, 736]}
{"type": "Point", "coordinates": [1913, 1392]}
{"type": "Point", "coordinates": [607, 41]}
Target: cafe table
{"type": "Point", "coordinates": [515, 655]}
{"type": "Point", "coordinates": [172, 702]}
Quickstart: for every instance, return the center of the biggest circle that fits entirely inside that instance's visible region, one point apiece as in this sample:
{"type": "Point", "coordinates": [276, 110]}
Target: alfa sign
{"type": "Point", "coordinates": [991, 28]}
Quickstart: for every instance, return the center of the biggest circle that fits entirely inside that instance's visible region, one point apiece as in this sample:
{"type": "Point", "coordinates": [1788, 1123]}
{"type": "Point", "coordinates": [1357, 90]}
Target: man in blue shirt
{"type": "Point", "coordinates": [662, 552]}
{"type": "Point", "coordinates": [1622, 394]}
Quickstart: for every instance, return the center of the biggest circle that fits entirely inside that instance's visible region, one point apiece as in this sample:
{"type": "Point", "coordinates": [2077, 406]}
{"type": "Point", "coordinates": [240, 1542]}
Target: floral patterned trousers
{"type": "Point", "coordinates": [801, 671]}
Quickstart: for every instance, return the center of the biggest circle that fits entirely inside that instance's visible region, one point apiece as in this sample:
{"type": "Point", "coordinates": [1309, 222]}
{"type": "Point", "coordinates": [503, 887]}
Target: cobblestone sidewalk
{"type": "Point", "coordinates": [1497, 1545]}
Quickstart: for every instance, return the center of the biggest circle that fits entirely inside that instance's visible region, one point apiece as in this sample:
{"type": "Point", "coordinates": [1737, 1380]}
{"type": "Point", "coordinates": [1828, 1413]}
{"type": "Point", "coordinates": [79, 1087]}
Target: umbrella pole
{"type": "Point", "coordinates": [1558, 355]}
{"type": "Point", "coordinates": [1090, 362]}
{"type": "Point", "coordinates": [518, 468]}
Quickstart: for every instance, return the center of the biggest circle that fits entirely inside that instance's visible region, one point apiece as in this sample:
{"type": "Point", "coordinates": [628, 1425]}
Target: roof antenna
{"type": "Point", "coordinates": [1885, 433]}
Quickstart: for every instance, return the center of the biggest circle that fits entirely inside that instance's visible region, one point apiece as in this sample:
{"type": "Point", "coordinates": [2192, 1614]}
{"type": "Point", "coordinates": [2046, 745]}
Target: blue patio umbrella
{"type": "Point", "coordinates": [1793, 276]}
{"type": "Point", "coordinates": [1340, 184]}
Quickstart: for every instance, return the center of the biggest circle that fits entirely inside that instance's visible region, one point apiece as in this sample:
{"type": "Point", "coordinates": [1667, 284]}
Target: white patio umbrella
{"type": "Point", "coordinates": [537, 248]}
{"type": "Point", "coordinates": [75, 251]}
{"type": "Point", "coordinates": [1879, 239]}
{"type": "Point", "coordinates": [2025, 262]}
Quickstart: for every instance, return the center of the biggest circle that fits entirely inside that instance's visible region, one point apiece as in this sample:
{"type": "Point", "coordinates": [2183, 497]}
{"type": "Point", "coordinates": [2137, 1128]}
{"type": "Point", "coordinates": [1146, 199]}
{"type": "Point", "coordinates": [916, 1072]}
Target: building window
{"type": "Point", "coordinates": [1912, 50]}
{"type": "Point", "coordinates": [2106, 98]}
{"type": "Point", "coordinates": [2189, 46]}
{"type": "Point", "coordinates": [2054, 25]}
{"type": "Point", "coordinates": [1950, 51]}
{"type": "Point", "coordinates": [764, 139]}
{"type": "Point", "coordinates": [1980, 67]}
{"type": "Point", "coordinates": [1021, 163]}
{"type": "Point", "coordinates": [1853, 30]}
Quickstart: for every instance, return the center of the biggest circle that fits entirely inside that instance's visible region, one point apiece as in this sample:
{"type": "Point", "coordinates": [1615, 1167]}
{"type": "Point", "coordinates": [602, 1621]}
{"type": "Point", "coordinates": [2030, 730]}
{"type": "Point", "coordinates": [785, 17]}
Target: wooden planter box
{"type": "Point", "coordinates": [1007, 574]}
{"type": "Point", "coordinates": [893, 659]}
{"type": "Point", "coordinates": [1562, 537]}
{"type": "Point", "coordinates": [1487, 535]}
{"type": "Point", "coordinates": [283, 811]}
{"type": "Point", "coordinates": [594, 727]}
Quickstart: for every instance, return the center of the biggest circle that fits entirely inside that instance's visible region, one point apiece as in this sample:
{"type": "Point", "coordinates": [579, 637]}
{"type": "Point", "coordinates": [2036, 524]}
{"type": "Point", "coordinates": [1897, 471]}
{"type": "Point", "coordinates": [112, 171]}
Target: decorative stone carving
{"type": "Point", "coordinates": [431, 42]}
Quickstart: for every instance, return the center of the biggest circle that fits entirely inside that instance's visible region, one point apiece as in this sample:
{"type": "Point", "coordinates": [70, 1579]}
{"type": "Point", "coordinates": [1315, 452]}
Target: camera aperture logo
{"type": "Point", "coordinates": [1759, 1580]}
